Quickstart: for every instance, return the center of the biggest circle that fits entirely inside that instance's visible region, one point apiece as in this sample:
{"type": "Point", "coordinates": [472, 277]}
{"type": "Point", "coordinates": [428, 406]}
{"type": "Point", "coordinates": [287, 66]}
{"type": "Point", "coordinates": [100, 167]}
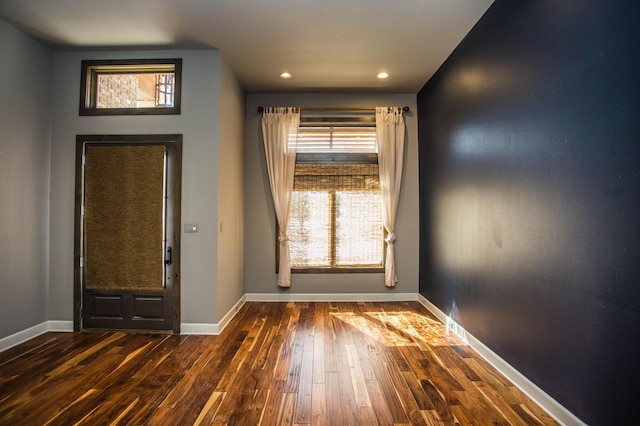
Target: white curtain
{"type": "Point", "coordinates": [280, 135]}
{"type": "Point", "coordinates": [390, 140]}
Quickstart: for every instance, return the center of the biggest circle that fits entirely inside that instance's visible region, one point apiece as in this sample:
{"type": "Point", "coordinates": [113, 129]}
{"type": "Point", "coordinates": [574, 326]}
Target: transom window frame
{"type": "Point", "coordinates": [92, 69]}
{"type": "Point", "coordinates": [324, 157]}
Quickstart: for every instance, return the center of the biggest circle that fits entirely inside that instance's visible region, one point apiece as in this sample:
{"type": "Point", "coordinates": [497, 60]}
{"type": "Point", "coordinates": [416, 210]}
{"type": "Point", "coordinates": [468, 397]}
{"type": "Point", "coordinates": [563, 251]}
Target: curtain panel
{"type": "Point", "coordinates": [280, 134]}
{"type": "Point", "coordinates": [390, 142]}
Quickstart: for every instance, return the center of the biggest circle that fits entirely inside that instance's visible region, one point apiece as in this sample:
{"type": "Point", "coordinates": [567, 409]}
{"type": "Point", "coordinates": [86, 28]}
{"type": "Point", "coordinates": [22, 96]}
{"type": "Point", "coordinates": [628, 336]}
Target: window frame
{"type": "Point", "coordinates": [91, 69]}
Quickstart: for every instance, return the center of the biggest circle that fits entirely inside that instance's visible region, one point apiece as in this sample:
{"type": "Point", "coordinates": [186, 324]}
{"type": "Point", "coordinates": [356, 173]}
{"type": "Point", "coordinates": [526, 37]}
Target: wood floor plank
{"type": "Point", "coordinates": [319, 414]}
{"type": "Point", "coordinates": [336, 416]}
{"type": "Point", "coordinates": [367, 416]}
{"type": "Point", "coordinates": [207, 413]}
{"type": "Point", "coordinates": [363, 356]}
{"type": "Point", "coordinates": [486, 400]}
{"type": "Point", "coordinates": [357, 378]}
{"type": "Point", "coordinates": [379, 403]}
{"type": "Point", "coordinates": [272, 406]}
{"type": "Point", "coordinates": [284, 363]}
{"type": "Point", "coordinates": [295, 363]}
{"type": "Point", "coordinates": [285, 415]}
{"type": "Point", "coordinates": [346, 394]}
{"type": "Point", "coordinates": [530, 407]}
{"type": "Point", "coordinates": [305, 387]}
{"type": "Point", "coordinates": [387, 387]}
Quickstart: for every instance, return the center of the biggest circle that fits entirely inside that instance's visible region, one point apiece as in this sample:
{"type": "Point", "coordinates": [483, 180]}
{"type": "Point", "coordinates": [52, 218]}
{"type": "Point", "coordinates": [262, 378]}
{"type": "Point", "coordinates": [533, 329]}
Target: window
{"type": "Point", "coordinates": [124, 87]}
{"type": "Point", "coordinates": [335, 218]}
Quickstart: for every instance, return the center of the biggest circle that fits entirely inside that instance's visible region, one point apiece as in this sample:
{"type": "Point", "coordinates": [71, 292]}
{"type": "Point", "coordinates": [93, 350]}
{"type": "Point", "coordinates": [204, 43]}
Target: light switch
{"type": "Point", "coordinates": [190, 228]}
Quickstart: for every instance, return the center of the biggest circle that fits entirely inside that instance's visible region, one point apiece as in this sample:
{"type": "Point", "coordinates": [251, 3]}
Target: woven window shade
{"type": "Point", "coordinates": [335, 219]}
{"type": "Point", "coordinates": [124, 217]}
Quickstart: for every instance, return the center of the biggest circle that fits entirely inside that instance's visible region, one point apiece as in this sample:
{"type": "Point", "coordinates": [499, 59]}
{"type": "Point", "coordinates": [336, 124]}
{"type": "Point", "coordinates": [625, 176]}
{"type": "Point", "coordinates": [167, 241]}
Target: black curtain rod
{"type": "Point", "coordinates": [330, 109]}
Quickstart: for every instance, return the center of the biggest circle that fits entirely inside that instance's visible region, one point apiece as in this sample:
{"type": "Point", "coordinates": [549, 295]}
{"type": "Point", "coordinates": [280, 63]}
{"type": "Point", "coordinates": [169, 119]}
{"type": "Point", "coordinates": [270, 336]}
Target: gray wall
{"type": "Point", "coordinates": [230, 202]}
{"type": "Point", "coordinates": [199, 122]}
{"type": "Point", "coordinates": [530, 196]}
{"type": "Point", "coordinates": [259, 242]}
{"type": "Point", "coordinates": [25, 117]}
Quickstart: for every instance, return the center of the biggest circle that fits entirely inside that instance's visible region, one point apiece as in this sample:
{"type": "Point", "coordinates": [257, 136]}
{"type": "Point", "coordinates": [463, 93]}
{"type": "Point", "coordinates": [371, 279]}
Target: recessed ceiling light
{"type": "Point", "coordinates": [285, 75]}
{"type": "Point", "coordinates": [383, 75]}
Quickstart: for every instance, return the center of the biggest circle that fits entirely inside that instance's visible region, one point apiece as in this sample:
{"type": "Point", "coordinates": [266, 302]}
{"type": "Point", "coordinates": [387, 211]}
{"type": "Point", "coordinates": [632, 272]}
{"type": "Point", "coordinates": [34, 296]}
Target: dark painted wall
{"type": "Point", "coordinates": [530, 196]}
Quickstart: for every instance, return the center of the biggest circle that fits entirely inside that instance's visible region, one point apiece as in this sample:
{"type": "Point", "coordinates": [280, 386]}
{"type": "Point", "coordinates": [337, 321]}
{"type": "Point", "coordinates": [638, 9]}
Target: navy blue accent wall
{"type": "Point", "coordinates": [529, 140]}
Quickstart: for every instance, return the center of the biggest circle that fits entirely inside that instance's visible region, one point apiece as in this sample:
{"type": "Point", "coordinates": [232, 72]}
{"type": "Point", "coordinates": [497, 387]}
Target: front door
{"type": "Point", "coordinates": [127, 232]}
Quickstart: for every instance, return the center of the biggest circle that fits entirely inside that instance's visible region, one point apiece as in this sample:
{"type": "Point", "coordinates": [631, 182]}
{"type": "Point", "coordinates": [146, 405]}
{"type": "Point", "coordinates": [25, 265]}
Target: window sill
{"type": "Point", "coordinates": [341, 270]}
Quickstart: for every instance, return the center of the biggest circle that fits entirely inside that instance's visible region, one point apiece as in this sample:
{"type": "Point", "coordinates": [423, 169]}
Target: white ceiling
{"type": "Point", "coordinates": [328, 45]}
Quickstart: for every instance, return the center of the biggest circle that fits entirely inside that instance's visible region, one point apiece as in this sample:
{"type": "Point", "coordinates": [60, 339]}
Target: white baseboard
{"type": "Point", "coordinates": [213, 329]}
{"type": "Point", "coordinates": [232, 313]}
{"type": "Point", "coordinates": [198, 328]}
{"type": "Point", "coordinates": [31, 332]}
{"type": "Point", "coordinates": [66, 326]}
{"type": "Point", "coordinates": [331, 297]}
{"type": "Point", "coordinates": [540, 397]}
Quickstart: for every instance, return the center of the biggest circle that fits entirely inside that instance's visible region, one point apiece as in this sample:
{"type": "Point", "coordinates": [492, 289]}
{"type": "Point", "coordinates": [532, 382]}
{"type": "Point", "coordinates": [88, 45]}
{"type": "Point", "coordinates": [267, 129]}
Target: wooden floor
{"type": "Point", "coordinates": [275, 364]}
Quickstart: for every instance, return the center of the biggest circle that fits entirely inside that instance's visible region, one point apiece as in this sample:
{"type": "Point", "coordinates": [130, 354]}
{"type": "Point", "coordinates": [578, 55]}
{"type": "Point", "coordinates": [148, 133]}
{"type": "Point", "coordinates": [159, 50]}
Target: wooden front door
{"type": "Point", "coordinates": [127, 232]}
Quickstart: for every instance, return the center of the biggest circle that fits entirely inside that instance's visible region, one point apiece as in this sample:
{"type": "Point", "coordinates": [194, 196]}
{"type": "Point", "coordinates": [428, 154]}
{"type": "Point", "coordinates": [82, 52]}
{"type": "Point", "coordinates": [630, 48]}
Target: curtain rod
{"type": "Point", "coordinates": [404, 109]}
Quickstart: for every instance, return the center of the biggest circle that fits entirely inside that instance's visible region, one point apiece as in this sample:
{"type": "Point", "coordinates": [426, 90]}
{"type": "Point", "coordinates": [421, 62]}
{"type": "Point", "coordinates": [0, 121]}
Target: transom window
{"type": "Point", "coordinates": [335, 218]}
{"type": "Point", "coordinates": [122, 87]}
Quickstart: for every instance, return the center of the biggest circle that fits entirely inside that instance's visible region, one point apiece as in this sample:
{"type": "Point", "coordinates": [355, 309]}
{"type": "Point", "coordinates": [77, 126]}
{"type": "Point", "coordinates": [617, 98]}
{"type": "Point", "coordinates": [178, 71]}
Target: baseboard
{"type": "Point", "coordinates": [540, 397]}
{"type": "Point", "coordinates": [198, 328]}
{"type": "Point", "coordinates": [213, 329]}
{"type": "Point", "coordinates": [35, 331]}
{"type": "Point", "coordinates": [66, 326]}
{"type": "Point", "coordinates": [232, 313]}
{"type": "Point", "coordinates": [331, 297]}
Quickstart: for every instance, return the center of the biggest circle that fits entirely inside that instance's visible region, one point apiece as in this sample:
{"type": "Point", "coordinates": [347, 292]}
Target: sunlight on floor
{"type": "Point", "coordinates": [401, 328]}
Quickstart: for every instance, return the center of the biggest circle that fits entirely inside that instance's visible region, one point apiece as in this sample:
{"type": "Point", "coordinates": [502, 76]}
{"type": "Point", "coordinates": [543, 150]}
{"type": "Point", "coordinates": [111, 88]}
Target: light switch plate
{"type": "Point", "coordinates": [190, 228]}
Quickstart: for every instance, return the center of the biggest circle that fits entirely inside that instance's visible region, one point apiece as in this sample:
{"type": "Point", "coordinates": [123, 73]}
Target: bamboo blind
{"type": "Point", "coordinates": [335, 218]}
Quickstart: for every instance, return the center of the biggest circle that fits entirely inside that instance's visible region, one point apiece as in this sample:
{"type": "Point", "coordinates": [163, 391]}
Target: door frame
{"type": "Point", "coordinates": [174, 215]}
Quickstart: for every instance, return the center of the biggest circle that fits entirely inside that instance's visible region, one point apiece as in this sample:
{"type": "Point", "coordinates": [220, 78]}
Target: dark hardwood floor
{"type": "Point", "coordinates": [275, 364]}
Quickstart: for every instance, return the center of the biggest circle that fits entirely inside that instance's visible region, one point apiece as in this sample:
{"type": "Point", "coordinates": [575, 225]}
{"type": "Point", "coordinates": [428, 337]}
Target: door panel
{"type": "Point", "coordinates": [126, 309]}
{"type": "Point", "coordinates": [128, 191]}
